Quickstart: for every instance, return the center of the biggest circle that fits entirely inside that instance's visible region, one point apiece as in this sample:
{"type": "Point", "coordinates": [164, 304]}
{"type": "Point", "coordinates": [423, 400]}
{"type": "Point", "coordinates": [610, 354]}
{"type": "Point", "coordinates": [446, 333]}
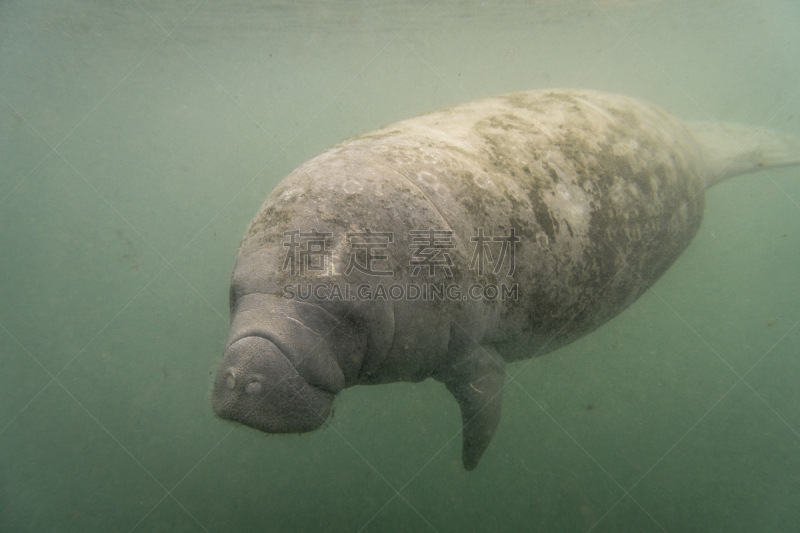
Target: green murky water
{"type": "Point", "coordinates": [138, 140]}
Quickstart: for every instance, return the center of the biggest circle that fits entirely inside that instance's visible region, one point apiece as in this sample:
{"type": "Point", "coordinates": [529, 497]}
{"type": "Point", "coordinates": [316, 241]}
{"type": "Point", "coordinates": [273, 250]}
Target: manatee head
{"type": "Point", "coordinates": [258, 386]}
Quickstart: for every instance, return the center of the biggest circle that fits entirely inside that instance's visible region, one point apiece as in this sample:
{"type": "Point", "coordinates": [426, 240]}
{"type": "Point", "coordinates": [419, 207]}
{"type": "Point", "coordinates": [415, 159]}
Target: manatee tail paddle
{"type": "Point", "coordinates": [733, 149]}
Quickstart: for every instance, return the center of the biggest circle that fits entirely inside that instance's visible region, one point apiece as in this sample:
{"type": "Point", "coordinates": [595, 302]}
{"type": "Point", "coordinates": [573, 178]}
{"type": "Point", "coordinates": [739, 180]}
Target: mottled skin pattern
{"type": "Point", "coordinates": [604, 191]}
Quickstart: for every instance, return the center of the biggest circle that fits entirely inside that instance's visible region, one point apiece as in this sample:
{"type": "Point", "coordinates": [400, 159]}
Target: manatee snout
{"type": "Point", "coordinates": [257, 385]}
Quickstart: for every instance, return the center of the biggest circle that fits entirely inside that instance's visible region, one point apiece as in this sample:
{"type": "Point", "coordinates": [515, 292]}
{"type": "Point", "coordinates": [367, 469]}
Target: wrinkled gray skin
{"type": "Point", "coordinates": [604, 191]}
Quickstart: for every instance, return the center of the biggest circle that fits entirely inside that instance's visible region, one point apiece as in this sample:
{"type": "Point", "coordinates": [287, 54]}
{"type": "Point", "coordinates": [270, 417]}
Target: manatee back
{"type": "Point", "coordinates": [604, 190]}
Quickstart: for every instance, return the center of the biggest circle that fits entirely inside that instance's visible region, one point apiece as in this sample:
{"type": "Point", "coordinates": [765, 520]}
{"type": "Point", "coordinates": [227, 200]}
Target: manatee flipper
{"type": "Point", "coordinates": [477, 384]}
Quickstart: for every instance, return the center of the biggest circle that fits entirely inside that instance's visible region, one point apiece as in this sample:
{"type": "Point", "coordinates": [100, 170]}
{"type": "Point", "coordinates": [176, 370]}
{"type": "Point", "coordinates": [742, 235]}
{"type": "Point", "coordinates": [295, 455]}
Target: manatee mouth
{"type": "Point", "coordinates": [258, 386]}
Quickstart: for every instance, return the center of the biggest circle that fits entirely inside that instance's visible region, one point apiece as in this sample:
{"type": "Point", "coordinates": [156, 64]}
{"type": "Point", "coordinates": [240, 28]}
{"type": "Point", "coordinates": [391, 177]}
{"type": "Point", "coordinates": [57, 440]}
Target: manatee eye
{"type": "Point", "coordinates": [254, 387]}
{"type": "Point", "coordinates": [232, 298]}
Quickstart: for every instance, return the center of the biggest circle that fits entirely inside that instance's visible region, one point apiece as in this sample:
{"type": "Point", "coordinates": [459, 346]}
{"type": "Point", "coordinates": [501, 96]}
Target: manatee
{"type": "Point", "coordinates": [451, 244]}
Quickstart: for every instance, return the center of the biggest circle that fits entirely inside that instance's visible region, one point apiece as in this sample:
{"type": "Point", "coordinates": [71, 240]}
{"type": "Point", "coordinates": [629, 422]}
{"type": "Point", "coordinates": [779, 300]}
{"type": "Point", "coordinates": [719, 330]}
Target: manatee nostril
{"type": "Point", "coordinates": [254, 387]}
{"type": "Point", "coordinates": [230, 381]}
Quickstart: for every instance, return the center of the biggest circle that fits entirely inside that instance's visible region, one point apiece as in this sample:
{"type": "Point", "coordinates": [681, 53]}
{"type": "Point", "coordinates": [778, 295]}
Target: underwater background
{"type": "Point", "coordinates": [140, 137]}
